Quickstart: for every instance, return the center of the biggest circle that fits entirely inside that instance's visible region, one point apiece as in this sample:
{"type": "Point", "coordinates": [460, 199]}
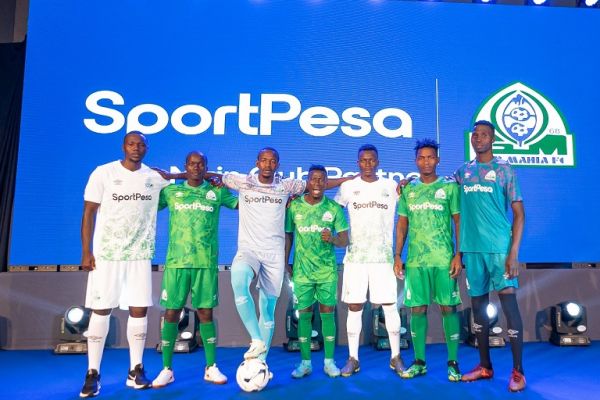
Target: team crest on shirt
{"type": "Point", "coordinates": [210, 195]}
{"type": "Point", "coordinates": [117, 182]}
{"type": "Point", "coordinates": [327, 217]}
{"type": "Point", "coordinates": [385, 193]}
{"type": "Point", "coordinates": [440, 194]}
{"type": "Point", "coordinates": [490, 176]}
{"type": "Point", "coordinates": [178, 194]}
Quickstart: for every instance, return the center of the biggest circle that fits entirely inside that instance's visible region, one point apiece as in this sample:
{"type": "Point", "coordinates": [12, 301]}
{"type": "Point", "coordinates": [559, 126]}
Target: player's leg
{"type": "Point", "coordinates": [137, 295]}
{"type": "Point", "coordinates": [266, 323]}
{"type": "Point", "coordinates": [102, 294]}
{"type": "Point", "coordinates": [270, 279]}
{"type": "Point", "coordinates": [326, 295]}
{"type": "Point", "coordinates": [175, 288]}
{"type": "Point", "coordinates": [478, 284]}
{"type": "Point", "coordinates": [508, 299]}
{"type": "Point", "coordinates": [205, 297]}
{"type": "Point", "coordinates": [354, 293]}
{"type": "Point", "coordinates": [446, 293]}
{"type": "Point", "coordinates": [242, 272]}
{"type": "Point", "coordinates": [416, 296]}
{"type": "Point", "coordinates": [383, 289]}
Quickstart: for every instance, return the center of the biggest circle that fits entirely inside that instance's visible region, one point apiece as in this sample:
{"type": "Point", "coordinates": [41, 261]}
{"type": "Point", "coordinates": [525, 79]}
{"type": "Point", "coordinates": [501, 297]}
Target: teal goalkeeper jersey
{"type": "Point", "coordinates": [314, 259]}
{"type": "Point", "coordinates": [429, 209]}
{"type": "Point", "coordinates": [487, 191]}
{"type": "Point", "coordinates": [194, 223]}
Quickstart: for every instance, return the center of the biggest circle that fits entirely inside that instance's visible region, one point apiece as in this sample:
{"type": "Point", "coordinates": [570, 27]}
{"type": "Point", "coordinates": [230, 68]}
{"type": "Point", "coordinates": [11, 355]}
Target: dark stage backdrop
{"type": "Point", "coordinates": [315, 80]}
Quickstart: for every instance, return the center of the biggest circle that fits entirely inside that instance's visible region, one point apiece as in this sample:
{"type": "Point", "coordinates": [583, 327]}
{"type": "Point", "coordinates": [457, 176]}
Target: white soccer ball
{"type": "Point", "coordinates": [252, 375]}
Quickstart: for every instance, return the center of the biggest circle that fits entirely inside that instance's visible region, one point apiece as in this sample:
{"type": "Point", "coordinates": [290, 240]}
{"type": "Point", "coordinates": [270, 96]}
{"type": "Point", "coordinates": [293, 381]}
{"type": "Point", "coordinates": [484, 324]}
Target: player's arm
{"type": "Point", "coordinates": [335, 182]}
{"type": "Point", "coordinates": [338, 240]}
{"type": "Point", "coordinates": [88, 263]}
{"type": "Point", "coordinates": [289, 240]}
{"type": "Point", "coordinates": [512, 261]}
{"type": "Point", "coordinates": [456, 263]}
{"type": "Point", "coordinates": [169, 175]}
{"type": "Point", "coordinates": [401, 232]}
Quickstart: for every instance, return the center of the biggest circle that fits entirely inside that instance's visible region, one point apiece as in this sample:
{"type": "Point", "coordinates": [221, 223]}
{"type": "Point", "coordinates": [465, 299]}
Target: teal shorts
{"type": "Point", "coordinates": [485, 273]}
{"type": "Point", "coordinates": [177, 284]}
{"type": "Point", "coordinates": [424, 283]}
{"type": "Point", "coordinates": [308, 293]}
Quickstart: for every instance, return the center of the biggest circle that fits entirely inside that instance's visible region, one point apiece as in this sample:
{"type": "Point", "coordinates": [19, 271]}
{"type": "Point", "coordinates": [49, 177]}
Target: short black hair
{"type": "Point", "coordinates": [368, 147]}
{"type": "Point", "coordinates": [485, 123]}
{"type": "Point", "coordinates": [196, 152]}
{"type": "Point", "coordinates": [317, 167]}
{"type": "Point", "coordinates": [140, 134]}
{"type": "Point", "coordinates": [272, 150]}
{"type": "Point", "coordinates": [426, 143]}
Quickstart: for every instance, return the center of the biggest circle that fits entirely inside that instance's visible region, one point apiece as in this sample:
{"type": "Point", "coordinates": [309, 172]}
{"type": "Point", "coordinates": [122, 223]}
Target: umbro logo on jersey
{"type": "Point", "coordinates": [411, 195]}
{"type": "Point", "coordinates": [117, 182]}
{"type": "Point", "coordinates": [467, 175]}
{"type": "Point", "coordinates": [179, 194]}
{"type": "Point", "coordinates": [298, 217]}
{"type": "Point", "coordinates": [356, 192]}
{"type": "Point", "coordinates": [490, 176]}
{"type": "Point", "coordinates": [327, 217]}
{"type": "Point", "coordinates": [211, 195]}
{"type": "Point", "coordinates": [440, 194]}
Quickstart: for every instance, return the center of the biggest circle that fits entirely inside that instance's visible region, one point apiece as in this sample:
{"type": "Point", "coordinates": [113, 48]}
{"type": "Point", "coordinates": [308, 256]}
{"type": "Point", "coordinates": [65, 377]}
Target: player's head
{"type": "Point", "coordinates": [368, 160]}
{"type": "Point", "coordinates": [267, 163]}
{"type": "Point", "coordinates": [483, 136]}
{"type": "Point", "coordinates": [135, 147]}
{"type": "Point", "coordinates": [317, 181]}
{"type": "Point", "coordinates": [427, 159]}
{"type": "Point", "coordinates": [195, 165]}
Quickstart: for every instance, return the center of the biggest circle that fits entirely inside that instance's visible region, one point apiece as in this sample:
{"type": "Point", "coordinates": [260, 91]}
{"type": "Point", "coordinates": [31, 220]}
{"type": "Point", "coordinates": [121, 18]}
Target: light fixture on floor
{"type": "Point", "coordinates": [569, 324]}
{"type": "Point", "coordinates": [73, 325]}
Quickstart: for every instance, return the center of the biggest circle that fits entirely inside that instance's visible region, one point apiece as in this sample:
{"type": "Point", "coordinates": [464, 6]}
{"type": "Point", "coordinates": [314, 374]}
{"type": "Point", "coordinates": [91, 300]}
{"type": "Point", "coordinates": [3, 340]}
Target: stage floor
{"type": "Point", "coordinates": [552, 373]}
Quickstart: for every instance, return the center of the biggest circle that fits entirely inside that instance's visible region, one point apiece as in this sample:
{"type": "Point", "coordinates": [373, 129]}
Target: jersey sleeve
{"type": "Point", "coordinates": [340, 222]}
{"type": "Point", "coordinates": [228, 199]}
{"type": "Point", "coordinates": [289, 219]}
{"type": "Point", "coordinates": [454, 198]}
{"type": "Point", "coordinates": [340, 196]}
{"type": "Point", "coordinates": [234, 181]}
{"type": "Point", "coordinates": [94, 190]}
{"type": "Point", "coordinates": [402, 208]}
{"type": "Point", "coordinates": [294, 187]}
{"type": "Point", "coordinates": [457, 176]}
{"type": "Point", "coordinates": [513, 190]}
{"type": "Point", "coordinates": [162, 199]}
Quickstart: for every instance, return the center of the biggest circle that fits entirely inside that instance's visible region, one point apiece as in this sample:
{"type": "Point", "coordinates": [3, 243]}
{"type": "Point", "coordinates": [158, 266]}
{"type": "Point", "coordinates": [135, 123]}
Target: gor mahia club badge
{"type": "Point", "coordinates": [530, 130]}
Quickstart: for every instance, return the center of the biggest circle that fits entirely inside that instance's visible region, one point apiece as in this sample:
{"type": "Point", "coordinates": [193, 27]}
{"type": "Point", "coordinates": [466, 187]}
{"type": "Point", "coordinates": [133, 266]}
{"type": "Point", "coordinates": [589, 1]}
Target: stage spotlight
{"type": "Point", "coordinates": [380, 338]}
{"type": "Point", "coordinates": [588, 3]}
{"type": "Point", "coordinates": [569, 323]}
{"type": "Point", "coordinates": [187, 335]}
{"type": "Point", "coordinates": [538, 2]}
{"type": "Point", "coordinates": [73, 325]}
{"type": "Point", "coordinates": [291, 328]}
{"type": "Point", "coordinates": [484, 1]}
{"type": "Point", "coordinates": [495, 340]}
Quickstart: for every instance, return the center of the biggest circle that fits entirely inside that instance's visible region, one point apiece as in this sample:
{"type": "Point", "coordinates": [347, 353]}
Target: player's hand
{"type": "Point", "coordinates": [398, 267]}
{"type": "Point", "coordinates": [215, 181]}
{"type": "Point", "coordinates": [326, 236]}
{"type": "Point", "coordinates": [511, 266]}
{"type": "Point", "coordinates": [455, 266]}
{"type": "Point", "coordinates": [289, 270]}
{"type": "Point", "coordinates": [88, 262]}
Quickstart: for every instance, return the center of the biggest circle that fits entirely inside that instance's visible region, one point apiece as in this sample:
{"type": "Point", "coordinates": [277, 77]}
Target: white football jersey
{"type": "Point", "coordinates": [126, 219]}
{"type": "Point", "coordinates": [371, 208]}
{"type": "Point", "coordinates": [262, 210]}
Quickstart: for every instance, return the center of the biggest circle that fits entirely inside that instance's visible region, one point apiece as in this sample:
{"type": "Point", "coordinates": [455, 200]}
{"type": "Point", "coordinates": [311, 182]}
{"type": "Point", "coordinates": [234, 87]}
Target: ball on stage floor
{"type": "Point", "coordinates": [252, 375]}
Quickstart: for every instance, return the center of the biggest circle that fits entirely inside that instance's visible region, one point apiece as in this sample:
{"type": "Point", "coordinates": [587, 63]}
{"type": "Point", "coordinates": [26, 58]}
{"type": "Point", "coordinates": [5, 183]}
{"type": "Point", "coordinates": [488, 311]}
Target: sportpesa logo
{"type": "Point", "coordinates": [109, 117]}
{"type": "Point", "coordinates": [426, 206]}
{"type": "Point", "coordinates": [193, 207]}
{"type": "Point", "coordinates": [530, 129]}
{"type": "Point", "coordinates": [310, 229]}
{"type": "Point", "coordinates": [370, 204]}
{"type": "Point", "coordinates": [262, 199]}
{"type": "Point", "coordinates": [130, 197]}
{"type": "Point", "coordinates": [478, 188]}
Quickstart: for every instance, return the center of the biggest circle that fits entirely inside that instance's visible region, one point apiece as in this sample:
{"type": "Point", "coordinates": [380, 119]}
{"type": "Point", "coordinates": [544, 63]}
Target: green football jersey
{"type": "Point", "coordinates": [429, 209]}
{"type": "Point", "coordinates": [314, 259]}
{"type": "Point", "coordinates": [194, 223]}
